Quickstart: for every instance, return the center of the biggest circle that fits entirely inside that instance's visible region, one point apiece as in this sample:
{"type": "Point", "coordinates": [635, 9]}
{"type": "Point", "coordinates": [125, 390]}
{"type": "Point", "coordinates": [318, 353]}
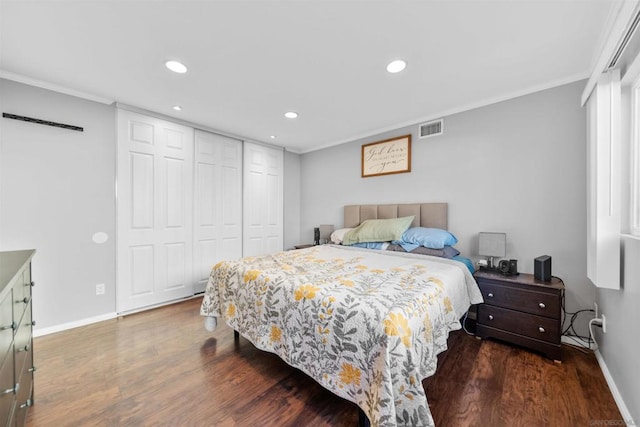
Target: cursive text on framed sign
{"type": "Point", "coordinates": [387, 157]}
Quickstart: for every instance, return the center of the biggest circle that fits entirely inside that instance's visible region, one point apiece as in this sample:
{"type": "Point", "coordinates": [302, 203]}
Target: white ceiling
{"type": "Point", "coordinates": [251, 61]}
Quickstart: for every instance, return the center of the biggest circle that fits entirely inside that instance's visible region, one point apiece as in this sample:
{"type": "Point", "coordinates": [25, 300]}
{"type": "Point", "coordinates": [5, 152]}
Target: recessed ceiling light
{"type": "Point", "coordinates": [396, 66]}
{"type": "Point", "coordinates": [272, 137]}
{"type": "Point", "coordinates": [177, 108]}
{"type": "Point", "coordinates": [291, 115]}
{"type": "Point", "coordinates": [176, 67]}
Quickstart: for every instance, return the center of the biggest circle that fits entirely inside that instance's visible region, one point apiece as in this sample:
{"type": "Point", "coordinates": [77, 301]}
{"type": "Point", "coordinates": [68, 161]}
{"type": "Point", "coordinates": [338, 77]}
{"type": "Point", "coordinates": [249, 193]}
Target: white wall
{"type": "Point", "coordinates": [516, 167]}
{"type": "Point", "coordinates": [619, 346]}
{"type": "Point", "coordinates": [57, 191]}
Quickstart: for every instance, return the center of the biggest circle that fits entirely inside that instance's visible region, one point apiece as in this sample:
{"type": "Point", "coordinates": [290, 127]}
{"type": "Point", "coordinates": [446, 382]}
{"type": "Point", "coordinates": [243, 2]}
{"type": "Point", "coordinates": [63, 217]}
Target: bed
{"type": "Point", "coordinates": [365, 324]}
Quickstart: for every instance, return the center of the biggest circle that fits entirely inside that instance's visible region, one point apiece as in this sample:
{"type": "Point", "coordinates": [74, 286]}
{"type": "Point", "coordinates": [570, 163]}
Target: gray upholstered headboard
{"type": "Point", "coordinates": [432, 215]}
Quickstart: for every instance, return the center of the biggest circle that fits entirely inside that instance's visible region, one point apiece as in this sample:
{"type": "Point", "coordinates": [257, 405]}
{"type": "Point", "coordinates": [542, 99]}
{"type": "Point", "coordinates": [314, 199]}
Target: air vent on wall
{"type": "Point", "coordinates": [433, 128]}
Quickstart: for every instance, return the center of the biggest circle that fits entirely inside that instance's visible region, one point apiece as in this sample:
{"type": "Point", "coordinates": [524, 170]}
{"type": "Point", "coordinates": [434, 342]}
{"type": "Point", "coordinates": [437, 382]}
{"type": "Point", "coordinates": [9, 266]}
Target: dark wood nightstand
{"type": "Point", "coordinates": [521, 310]}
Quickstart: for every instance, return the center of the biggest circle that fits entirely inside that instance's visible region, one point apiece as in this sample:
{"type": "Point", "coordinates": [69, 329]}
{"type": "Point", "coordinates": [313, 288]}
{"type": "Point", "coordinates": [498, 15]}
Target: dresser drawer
{"type": "Point", "coordinates": [538, 327]}
{"type": "Point", "coordinates": [528, 301]}
{"type": "Point", "coordinates": [24, 395]}
{"type": "Point", "coordinates": [22, 340]}
{"type": "Point", "coordinates": [21, 298]}
{"type": "Point", "coordinates": [20, 292]}
{"type": "Point", "coordinates": [23, 399]}
{"type": "Point", "coordinates": [6, 384]}
{"type": "Point", "coordinates": [22, 286]}
{"type": "Point", "coordinates": [6, 325]}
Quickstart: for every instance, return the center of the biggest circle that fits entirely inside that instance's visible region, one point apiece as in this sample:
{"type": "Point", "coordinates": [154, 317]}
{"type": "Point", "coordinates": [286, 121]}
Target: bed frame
{"type": "Point", "coordinates": [432, 215]}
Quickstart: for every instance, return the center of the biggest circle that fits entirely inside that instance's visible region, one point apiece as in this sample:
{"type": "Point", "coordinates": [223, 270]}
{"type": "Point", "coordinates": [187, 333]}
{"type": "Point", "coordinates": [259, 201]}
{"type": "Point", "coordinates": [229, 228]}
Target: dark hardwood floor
{"type": "Point", "coordinates": [162, 368]}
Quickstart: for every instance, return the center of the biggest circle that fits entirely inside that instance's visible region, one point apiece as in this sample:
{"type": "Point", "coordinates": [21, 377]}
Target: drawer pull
{"type": "Point", "coordinates": [24, 300]}
{"type": "Point", "coordinates": [13, 326]}
{"type": "Point", "coordinates": [7, 391]}
{"type": "Point", "coordinates": [490, 295]}
{"type": "Point", "coordinates": [33, 323]}
{"type": "Point", "coordinates": [491, 317]}
{"type": "Point", "coordinates": [541, 305]}
{"type": "Point", "coordinates": [26, 404]}
{"type": "Point", "coordinates": [33, 369]}
{"type": "Point", "coordinates": [25, 348]}
{"type": "Point", "coordinates": [32, 284]}
{"type": "Point", "coordinates": [541, 329]}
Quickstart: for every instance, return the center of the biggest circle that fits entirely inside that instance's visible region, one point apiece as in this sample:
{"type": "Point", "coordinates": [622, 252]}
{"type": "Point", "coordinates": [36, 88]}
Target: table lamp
{"type": "Point", "coordinates": [325, 233]}
{"type": "Point", "coordinates": [492, 245]}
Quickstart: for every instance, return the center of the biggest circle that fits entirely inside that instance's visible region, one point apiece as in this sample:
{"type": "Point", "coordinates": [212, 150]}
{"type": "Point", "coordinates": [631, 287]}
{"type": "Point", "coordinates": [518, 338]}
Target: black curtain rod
{"type": "Point", "coordinates": [42, 122]}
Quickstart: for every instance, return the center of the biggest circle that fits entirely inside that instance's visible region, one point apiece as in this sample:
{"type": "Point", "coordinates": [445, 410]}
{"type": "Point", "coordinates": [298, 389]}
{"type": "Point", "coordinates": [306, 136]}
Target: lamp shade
{"type": "Point", "coordinates": [492, 244]}
{"type": "Point", "coordinates": [325, 232]}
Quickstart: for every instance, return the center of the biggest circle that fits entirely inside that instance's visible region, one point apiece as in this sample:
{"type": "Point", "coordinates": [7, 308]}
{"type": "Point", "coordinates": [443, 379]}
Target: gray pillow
{"type": "Point", "coordinates": [446, 252]}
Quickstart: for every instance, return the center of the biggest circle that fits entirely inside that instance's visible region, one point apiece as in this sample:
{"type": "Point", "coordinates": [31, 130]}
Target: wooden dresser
{"type": "Point", "coordinates": [521, 310]}
{"type": "Point", "coordinates": [16, 350]}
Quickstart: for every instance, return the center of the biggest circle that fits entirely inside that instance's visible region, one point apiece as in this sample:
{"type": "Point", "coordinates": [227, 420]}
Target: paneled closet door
{"type": "Point", "coordinates": [263, 199]}
{"type": "Point", "coordinates": [155, 214]}
{"type": "Point", "coordinates": [218, 205]}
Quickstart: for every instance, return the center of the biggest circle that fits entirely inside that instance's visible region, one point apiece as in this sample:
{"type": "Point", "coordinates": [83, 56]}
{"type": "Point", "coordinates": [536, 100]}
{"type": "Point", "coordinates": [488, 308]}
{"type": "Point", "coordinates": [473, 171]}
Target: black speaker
{"type": "Point", "coordinates": [316, 236]}
{"type": "Point", "coordinates": [542, 268]}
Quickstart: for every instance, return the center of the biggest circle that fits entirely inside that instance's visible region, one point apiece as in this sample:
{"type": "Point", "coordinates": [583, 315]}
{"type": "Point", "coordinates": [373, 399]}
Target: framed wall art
{"type": "Point", "coordinates": [387, 157]}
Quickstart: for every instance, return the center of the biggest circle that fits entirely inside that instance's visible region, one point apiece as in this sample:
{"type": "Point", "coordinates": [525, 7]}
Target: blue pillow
{"type": "Point", "coordinates": [433, 238]}
{"type": "Point", "coordinates": [368, 245]}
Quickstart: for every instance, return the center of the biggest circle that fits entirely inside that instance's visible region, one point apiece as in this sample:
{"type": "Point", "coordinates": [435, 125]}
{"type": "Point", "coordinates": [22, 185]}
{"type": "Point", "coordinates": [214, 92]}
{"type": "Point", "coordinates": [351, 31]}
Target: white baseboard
{"type": "Point", "coordinates": [622, 407]}
{"type": "Point", "coordinates": [83, 322]}
{"type": "Point", "coordinates": [75, 324]}
{"type": "Point", "coordinates": [624, 411]}
{"type": "Point", "coordinates": [577, 342]}
{"type": "Point", "coordinates": [162, 304]}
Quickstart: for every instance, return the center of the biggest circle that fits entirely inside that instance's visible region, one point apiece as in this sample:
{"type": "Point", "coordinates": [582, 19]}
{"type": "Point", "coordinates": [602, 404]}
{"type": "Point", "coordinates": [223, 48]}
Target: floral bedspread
{"type": "Point", "coordinates": [366, 325]}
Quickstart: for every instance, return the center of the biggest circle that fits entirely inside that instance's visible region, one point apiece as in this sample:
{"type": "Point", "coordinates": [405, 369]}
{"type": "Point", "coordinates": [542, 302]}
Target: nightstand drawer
{"type": "Point", "coordinates": [538, 327]}
{"type": "Point", "coordinates": [538, 303]}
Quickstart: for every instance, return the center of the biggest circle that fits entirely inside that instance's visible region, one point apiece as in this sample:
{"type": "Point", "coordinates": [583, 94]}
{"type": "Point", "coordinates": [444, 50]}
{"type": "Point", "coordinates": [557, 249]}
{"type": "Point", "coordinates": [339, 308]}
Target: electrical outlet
{"type": "Point", "coordinates": [595, 308]}
{"type": "Point", "coordinates": [100, 289]}
{"type": "Point", "coordinates": [604, 324]}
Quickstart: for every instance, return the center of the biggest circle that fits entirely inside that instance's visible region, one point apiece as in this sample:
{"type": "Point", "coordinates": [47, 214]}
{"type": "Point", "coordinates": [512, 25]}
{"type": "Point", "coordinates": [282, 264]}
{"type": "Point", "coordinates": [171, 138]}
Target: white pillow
{"type": "Point", "coordinates": [338, 235]}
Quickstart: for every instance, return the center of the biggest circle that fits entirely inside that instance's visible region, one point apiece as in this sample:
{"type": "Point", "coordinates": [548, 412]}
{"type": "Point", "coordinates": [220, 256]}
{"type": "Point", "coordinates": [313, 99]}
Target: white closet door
{"type": "Point", "coordinates": [263, 199]}
{"type": "Point", "coordinates": [155, 214]}
{"type": "Point", "coordinates": [218, 204]}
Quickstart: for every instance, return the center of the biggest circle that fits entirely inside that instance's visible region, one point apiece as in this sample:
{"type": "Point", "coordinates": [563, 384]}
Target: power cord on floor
{"type": "Point", "coordinates": [570, 332]}
{"type": "Point", "coordinates": [464, 324]}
